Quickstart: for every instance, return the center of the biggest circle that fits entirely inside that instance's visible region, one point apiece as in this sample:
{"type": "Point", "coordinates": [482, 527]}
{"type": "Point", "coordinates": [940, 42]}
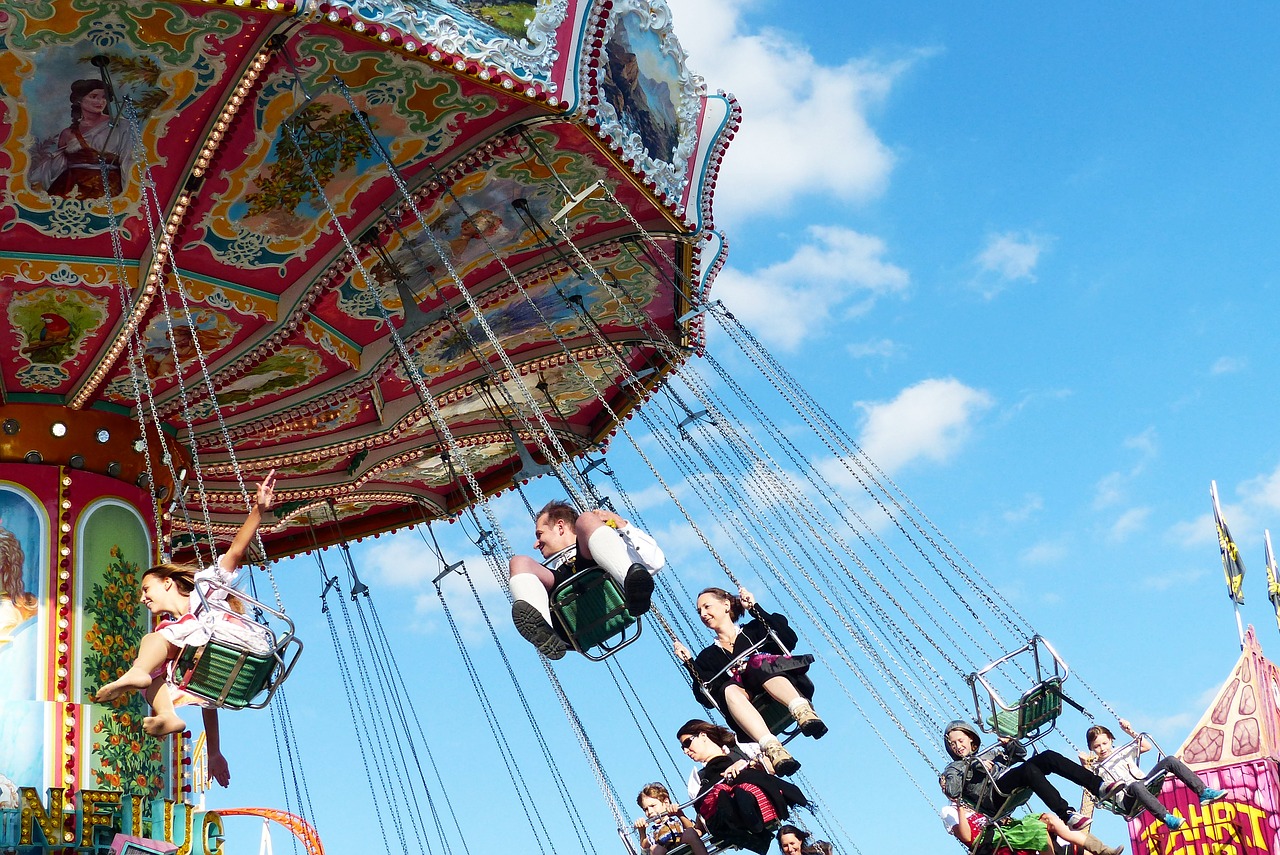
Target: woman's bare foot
{"type": "Point", "coordinates": [163, 725]}
{"type": "Point", "coordinates": [133, 680]}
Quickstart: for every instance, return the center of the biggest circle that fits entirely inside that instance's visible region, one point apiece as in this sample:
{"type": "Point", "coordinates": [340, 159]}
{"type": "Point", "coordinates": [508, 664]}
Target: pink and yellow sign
{"type": "Point", "coordinates": [1244, 822]}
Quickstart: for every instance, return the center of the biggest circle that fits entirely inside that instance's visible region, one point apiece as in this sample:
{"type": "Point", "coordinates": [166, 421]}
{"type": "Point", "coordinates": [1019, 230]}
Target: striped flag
{"type": "Point", "coordinates": [1273, 583]}
{"type": "Point", "coordinates": [1232, 565]}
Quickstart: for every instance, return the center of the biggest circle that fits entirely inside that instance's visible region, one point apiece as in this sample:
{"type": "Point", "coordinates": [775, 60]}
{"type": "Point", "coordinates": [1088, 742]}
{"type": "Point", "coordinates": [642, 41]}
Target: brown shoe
{"type": "Point", "coordinates": [530, 623]}
{"type": "Point", "coordinates": [810, 724]}
{"type": "Point", "coordinates": [783, 763]}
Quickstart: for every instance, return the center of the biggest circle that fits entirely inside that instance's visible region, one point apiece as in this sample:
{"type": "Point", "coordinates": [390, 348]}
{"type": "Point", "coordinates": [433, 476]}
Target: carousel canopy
{"type": "Point", "coordinates": [399, 252]}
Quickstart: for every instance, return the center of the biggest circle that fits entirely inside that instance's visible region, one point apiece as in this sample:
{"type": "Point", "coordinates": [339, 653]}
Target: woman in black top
{"type": "Point", "coordinates": [739, 801]}
{"type": "Point", "coordinates": [768, 671]}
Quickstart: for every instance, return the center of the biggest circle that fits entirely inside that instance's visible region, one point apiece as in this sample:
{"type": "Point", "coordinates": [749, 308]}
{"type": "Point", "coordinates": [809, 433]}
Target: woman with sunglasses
{"type": "Point", "coordinates": [768, 671]}
{"type": "Point", "coordinates": [738, 798]}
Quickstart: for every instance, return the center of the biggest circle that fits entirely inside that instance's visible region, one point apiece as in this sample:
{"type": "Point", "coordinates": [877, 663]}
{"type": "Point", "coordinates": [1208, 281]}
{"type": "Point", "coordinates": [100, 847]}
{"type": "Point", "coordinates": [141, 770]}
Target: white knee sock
{"type": "Point", "coordinates": [527, 587]}
{"type": "Point", "coordinates": [609, 550]}
{"type": "Point", "coordinates": [796, 704]}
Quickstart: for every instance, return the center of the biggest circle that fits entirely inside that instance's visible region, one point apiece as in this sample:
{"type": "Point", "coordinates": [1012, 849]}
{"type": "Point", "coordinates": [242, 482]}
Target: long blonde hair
{"type": "Point", "coordinates": [12, 560]}
{"type": "Point", "coordinates": [184, 576]}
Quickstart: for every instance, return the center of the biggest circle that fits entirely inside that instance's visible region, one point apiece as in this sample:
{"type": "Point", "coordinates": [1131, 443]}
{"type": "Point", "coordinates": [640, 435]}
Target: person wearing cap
{"type": "Point", "coordinates": [975, 780]}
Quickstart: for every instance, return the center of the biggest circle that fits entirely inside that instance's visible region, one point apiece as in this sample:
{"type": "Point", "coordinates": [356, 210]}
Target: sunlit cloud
{"type": "Point", "coordinates": [1128, 523]}
{"type": "Point", "coordinates": [839, 273]}
{"type": "Point", "coordinates": [1228, 365]}
{"type": "Point", "coordinates": [1264, 490]}
{"type": "Point", "coordinates": [1007, 258]}
{"type": "Point", "coordinates": [805, 128]}
{"type": "Point", "coordinates": [1113, 488]}
{"type": "Point", "coordinates": [1031, 505]}
{"type": "Point", "coordinates": [1044, 552]}
{"type": "Point", "coordinates": [882, 348]}
{"type": "Point", "coordinates": [1186, 578]}
{"type": "Point", "coordinates": [930, 420]}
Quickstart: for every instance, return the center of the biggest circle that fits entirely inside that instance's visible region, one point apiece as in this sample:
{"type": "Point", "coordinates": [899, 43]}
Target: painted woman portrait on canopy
{"type": "Point", "coordinates": [91, 155]}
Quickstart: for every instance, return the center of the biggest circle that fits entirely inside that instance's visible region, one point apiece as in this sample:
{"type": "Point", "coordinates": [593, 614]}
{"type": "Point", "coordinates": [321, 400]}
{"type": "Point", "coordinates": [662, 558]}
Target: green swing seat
{"type": "Point", "coordinates": [1034, 714]}
{"type": "Point", "coordinates": [1039, 707]}
{"type": "Point", "coordinates": [775, 714]}
{"type": "Point", "coordinates": [1154, 782]}
{"type": "Point", "coordinates": [229, 675]}
{"type": "Point", "coordinates": [591, 614]}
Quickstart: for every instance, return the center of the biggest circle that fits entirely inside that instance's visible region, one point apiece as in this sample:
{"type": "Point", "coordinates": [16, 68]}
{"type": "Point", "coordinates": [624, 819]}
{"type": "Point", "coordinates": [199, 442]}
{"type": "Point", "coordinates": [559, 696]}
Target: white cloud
{"type": "Point", "coordinates": [804, 125]}
{"type": "Point", "coordinates": [883, 348]}
{"type": "Point", "coordinates": [1175, 579]}
{"type": "Point", "coordinates": [1195, 532]}
{"type": "Point", "coordinates": [1045, 552]}
{"type": "Point", "coordinates": [1008, 257]}
{"type": "Point", "coordinates": [930, 420]}
{"type": "Point", "coordinates": [1031, 505]}
{"type": "Point", "coordinates": [1263, 490]}
{"type": "Point", "coordinates": [1145, 443]}
{"type": "Point", "coordinates": [1228, 365]}
{"type": "Point", "coordinates": [840, 272]}
{"type": "Point", "coordinates": [399, 561]}
{"type": "Point", "coordinates": [1129, 522]}
{"type": "Point", "coordinates": [1113, 487]}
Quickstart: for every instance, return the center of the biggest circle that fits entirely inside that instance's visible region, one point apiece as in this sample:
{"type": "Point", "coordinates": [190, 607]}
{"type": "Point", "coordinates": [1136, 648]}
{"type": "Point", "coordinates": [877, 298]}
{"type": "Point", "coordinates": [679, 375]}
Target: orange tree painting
{"type": "Point", "coordinates": [129, 760]}
{"type": "Point", "coordinates": [333, 144]}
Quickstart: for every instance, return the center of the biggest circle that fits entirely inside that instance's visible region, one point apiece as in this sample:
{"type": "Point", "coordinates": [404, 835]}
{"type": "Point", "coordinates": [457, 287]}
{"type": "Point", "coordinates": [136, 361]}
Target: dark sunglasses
{"type": "Point", "coordinates": [686, 742]}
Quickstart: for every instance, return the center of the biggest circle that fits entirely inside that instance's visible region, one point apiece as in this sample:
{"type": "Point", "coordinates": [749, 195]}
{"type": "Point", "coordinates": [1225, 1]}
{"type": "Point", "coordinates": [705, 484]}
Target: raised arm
{"type": "Point", "coordinates": [239, 547]}
{"type": "Point", "coordinates": [776, 622]}
{"type": "Point", "coordinates": [1144, 745]}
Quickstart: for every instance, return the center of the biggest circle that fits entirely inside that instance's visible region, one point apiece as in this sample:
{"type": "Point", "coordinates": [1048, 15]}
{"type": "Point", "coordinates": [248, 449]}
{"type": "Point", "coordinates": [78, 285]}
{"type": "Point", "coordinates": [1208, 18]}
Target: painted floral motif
{"type": "Point", "coordinates": [128, 761]}
{"type": "Point", "coordinates": [314, 146]}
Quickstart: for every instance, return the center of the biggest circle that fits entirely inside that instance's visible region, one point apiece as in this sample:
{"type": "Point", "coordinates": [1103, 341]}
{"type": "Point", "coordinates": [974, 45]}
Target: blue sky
{"type": "Point", "coordinates": [1027, 255]}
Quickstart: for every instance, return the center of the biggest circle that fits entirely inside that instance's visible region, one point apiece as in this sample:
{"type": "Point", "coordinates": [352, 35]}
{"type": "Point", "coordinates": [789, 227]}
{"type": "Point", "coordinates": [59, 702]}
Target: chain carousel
{"type": "Point", "coordinates": [404, 254]}
{"type": "Point", "coordinates": [409, 256]}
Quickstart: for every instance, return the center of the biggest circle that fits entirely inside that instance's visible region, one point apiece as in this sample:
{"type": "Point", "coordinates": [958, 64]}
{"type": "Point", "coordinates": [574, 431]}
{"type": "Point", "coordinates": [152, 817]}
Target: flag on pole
{"type": "Point", "coordinates": [1273, 583]}
{"type": "Point", "coordinates": [1231, 563]}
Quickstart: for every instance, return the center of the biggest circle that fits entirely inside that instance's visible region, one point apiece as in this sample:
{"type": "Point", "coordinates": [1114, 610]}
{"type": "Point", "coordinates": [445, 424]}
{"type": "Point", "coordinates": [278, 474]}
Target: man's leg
{"type": "Point", "coordinates": [603, 545]}
{"type": "Point", "coordinates": [531, 606]}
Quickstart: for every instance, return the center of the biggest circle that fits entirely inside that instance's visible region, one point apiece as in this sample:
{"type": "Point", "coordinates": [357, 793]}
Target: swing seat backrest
{"type": "Point", "coordinates": [708, 842]}
{"type": "Point", "coordinates": [1131, 808]}
{"type": "Point", "coordinates": [993, 836]}
{"type": "Point", "coordinates": [592, 614]}
{"type": "Point", "coordinates": [230, 675]}
{"type": "Point", "coordinates": [775, 714]}
{"type": "Point", "coordinates": [1039, 708]}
